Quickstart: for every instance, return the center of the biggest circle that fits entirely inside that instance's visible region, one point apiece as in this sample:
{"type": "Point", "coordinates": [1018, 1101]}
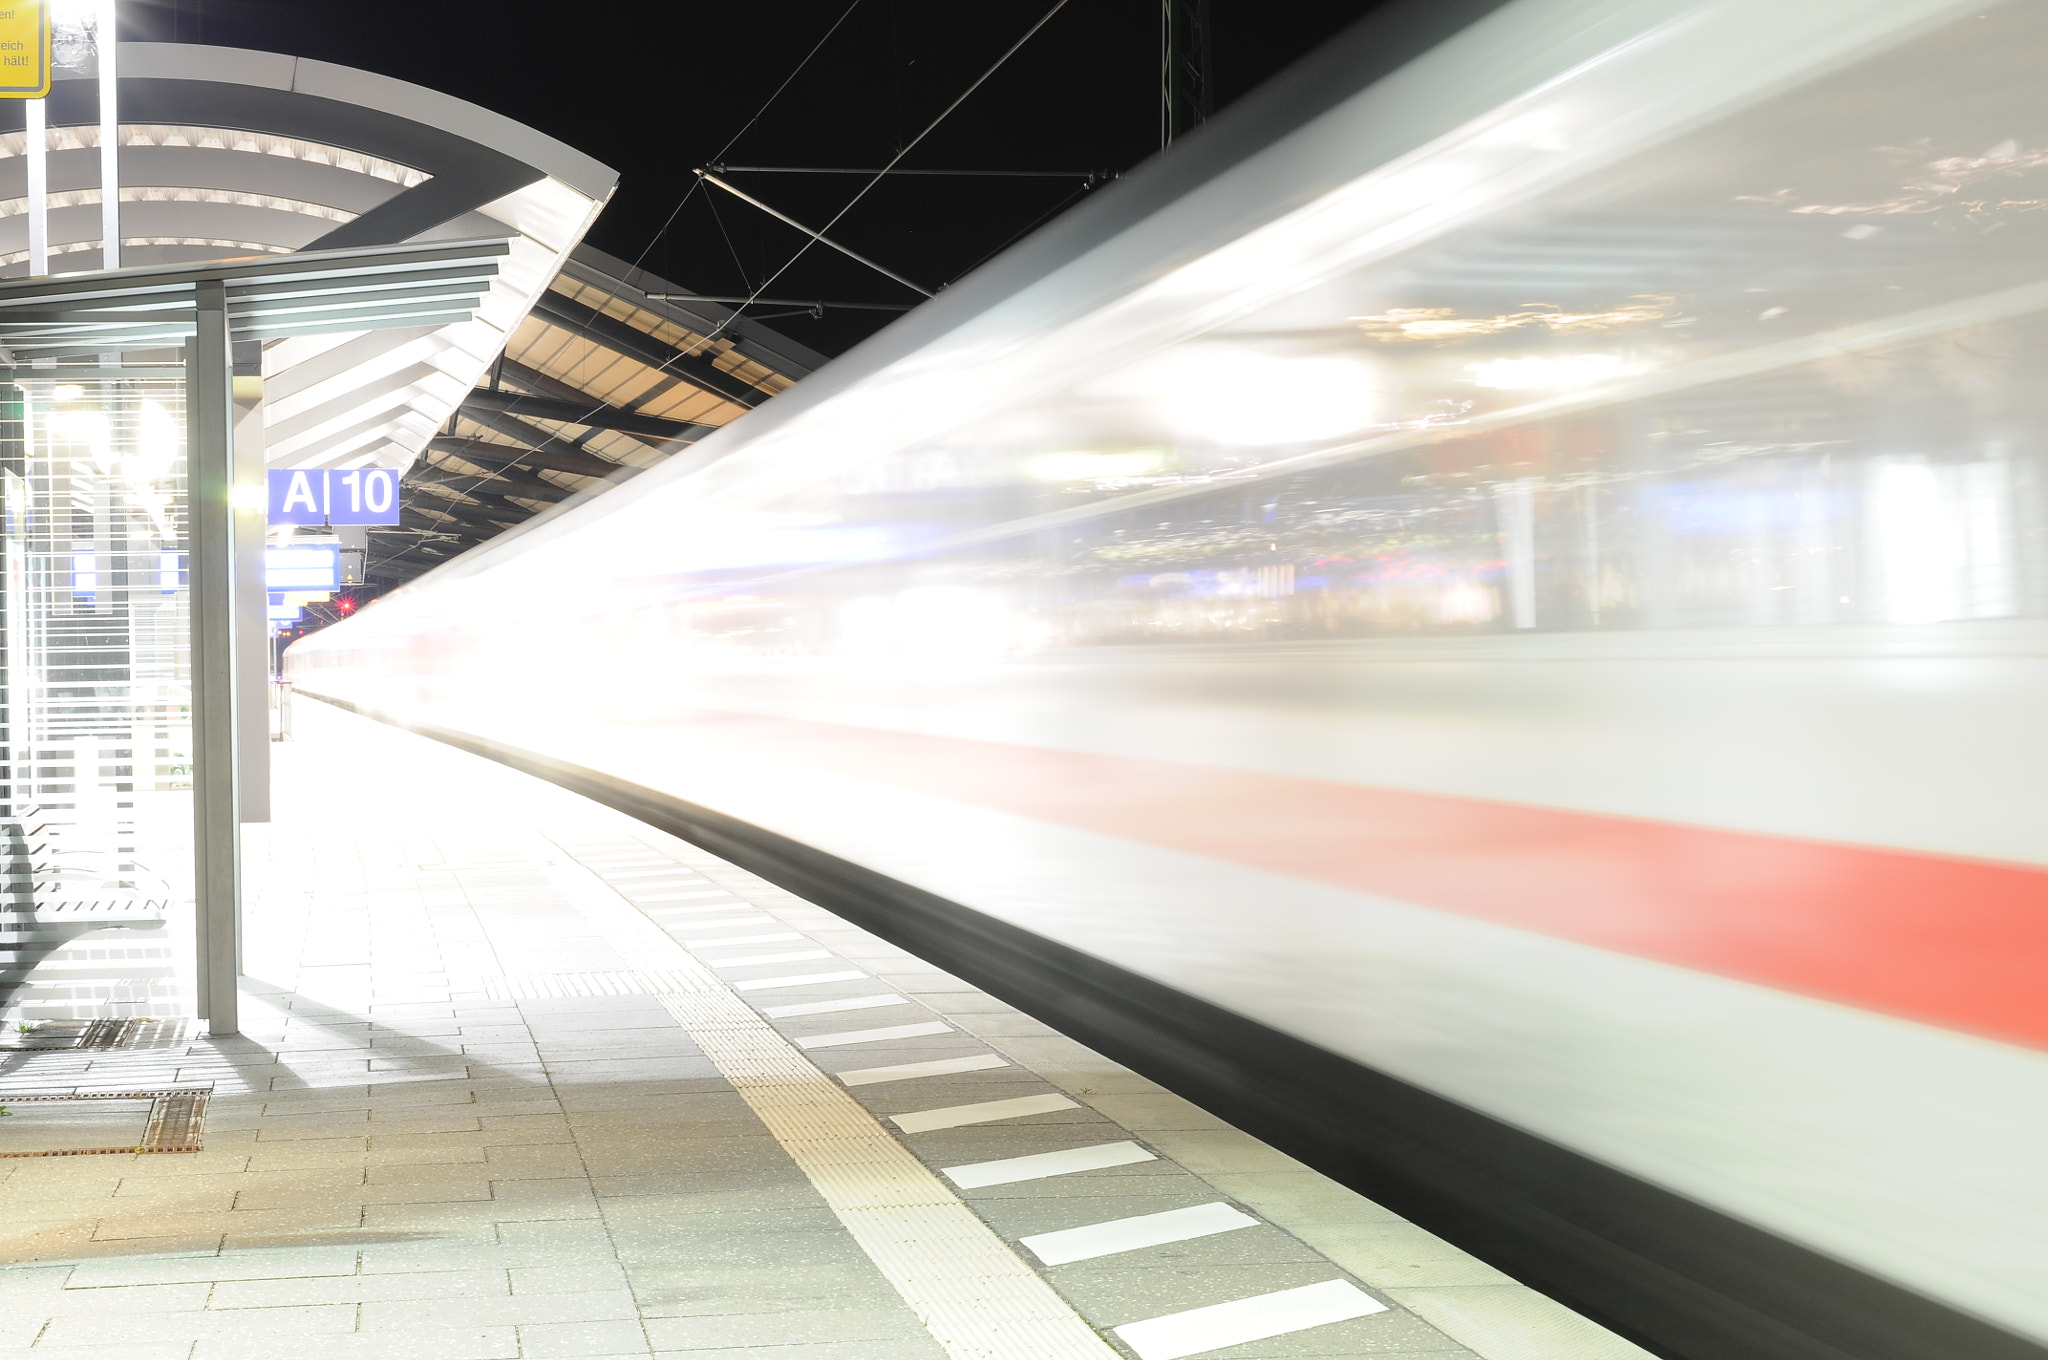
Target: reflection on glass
{"type": "Point", "coordinates": [96, 806]}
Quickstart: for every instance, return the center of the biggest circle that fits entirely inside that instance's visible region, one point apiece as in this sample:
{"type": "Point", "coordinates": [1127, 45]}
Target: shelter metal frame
{"type": "Point", "coordinates": [206, 309]}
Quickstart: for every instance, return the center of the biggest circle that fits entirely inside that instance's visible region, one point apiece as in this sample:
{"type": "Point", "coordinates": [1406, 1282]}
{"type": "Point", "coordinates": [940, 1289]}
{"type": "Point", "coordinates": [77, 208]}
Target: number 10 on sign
{"type": "Point", "coordinates": [334, 496]}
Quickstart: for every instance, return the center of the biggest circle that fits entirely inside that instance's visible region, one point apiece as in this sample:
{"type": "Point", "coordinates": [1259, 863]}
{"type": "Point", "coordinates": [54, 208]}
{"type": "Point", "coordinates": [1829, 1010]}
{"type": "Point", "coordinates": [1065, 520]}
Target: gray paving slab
{"type": "Point", "coordinates": [665, 1289]}
{"type": "Point", "coordinates": [897, 1327]}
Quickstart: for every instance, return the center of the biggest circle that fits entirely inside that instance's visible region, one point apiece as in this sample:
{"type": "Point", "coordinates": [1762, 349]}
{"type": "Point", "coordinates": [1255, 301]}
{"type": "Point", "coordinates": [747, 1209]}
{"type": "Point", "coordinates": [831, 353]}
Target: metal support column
{"type": "Point", "coordinates": [1186, 98]}
{"type": "Point", "coordinates": [210, 529]}
{"type": "Point", "coordinates": [107, 51]}
{"type": "Point", "coordinates": [252, 626]}
{"type": "Point", "coordinates": [38, 149]}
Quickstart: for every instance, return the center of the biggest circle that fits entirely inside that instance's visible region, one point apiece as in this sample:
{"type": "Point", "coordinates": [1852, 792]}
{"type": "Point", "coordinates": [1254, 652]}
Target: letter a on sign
{"type": "Point", "coordinates": [299, 495]}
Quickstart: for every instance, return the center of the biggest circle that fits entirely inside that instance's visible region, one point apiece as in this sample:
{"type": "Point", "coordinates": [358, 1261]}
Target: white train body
{"type": "Point", "coordinates": [1528, 574]}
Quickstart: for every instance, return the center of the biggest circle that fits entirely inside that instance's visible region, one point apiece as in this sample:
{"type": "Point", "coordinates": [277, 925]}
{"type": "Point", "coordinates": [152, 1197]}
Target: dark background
{"type": "Point", "coordinates": [655, 89]}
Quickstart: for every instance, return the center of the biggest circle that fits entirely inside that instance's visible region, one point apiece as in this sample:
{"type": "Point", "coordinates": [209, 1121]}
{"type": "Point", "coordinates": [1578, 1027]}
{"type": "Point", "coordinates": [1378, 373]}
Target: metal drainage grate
{"type": "Point", "coordinates": [170, 1121]}
{"type": "Point", "coordinates": [67, 1035]}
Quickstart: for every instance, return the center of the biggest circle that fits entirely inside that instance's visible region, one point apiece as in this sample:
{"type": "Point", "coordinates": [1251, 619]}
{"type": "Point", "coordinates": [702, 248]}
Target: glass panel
{"type": "Point", "coordinates": [98, 782]}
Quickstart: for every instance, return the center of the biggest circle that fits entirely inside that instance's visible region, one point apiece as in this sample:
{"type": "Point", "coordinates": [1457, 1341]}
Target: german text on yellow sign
{"type": "Point", "coordinates": [24, 49]}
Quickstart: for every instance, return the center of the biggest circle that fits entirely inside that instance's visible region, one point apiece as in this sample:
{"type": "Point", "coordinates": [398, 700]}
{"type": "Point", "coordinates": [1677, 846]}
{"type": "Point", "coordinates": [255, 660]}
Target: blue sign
{"type": "Point", "coordinates": [306, 566]}
{"type": "Point", "coordinates": [334, 496]}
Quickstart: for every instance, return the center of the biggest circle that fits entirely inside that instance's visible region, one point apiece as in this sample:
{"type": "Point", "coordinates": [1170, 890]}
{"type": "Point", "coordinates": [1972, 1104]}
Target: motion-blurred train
{"type": "Point", "coordinates": [1482, 617]}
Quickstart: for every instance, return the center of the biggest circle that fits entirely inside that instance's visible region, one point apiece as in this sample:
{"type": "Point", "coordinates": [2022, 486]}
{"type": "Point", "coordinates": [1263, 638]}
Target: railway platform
{"type": "Point", "coordinates": [522, 1077]}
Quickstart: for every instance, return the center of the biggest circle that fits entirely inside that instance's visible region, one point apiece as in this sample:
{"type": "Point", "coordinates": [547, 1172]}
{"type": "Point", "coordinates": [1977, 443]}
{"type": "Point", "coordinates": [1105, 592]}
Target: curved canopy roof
{"type": "Point", "coordinates": [228, 153]}
{"type": "Point", "coordinates": [567, 377]}
{"type": "Point", "coordinates": [599, 381]}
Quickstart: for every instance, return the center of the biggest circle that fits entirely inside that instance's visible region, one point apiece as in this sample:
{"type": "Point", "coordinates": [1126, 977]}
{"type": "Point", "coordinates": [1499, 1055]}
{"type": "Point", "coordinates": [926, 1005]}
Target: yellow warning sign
{"type": "Point", "coordinates": [24, 49]}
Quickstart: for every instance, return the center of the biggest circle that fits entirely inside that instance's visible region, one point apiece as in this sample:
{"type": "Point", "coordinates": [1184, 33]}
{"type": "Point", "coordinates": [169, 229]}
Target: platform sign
{"type": "Point", "coordinates": [309, 566]}
{"type": "Point", "coordinates": [333, 495]}
{"type": "Point", "coordinates": [24, 49]}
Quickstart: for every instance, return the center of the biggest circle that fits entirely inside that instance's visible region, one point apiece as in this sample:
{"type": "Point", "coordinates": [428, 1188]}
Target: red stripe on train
{"type": "Point", "coordinates": [1957, 943]}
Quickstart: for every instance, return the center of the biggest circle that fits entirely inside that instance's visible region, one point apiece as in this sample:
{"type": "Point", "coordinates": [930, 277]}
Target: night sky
{"type": "Point", "coordinates": [656, 89]}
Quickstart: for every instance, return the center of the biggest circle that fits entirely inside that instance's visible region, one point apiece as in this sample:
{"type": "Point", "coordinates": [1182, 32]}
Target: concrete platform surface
{"type": "Point", "coordinates": [521, 1077]}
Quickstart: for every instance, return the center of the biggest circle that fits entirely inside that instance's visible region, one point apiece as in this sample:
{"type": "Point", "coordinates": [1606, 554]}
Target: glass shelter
{"type": "Point", "coordinates": [97, 800]}
{"type": "Point", "coordinates": [121, 517]}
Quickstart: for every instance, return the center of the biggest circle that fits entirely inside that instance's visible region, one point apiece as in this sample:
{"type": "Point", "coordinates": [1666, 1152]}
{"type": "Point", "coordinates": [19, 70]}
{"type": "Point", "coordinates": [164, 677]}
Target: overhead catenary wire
{"type": "Point", "coordinates": [818, 237]}
{"type": "Point", "coordinates": [739, 266]}
{"type": "Point", "coordinates": [910, 146]}
{"type": "Point", "coordinates": [722, 168]}
{"type": "Point", "coordinates": [695, 184]}
{"type": "Point", "coordinates": [813, 237]}
{"type": "Point", "coordinates": [754, 296]}
{"type": "Point", "coordinates": [781, 302]}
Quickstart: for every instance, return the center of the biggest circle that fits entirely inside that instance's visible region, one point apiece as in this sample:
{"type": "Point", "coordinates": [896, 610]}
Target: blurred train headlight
{"type": "Point", "coordinates": [1229, 394]}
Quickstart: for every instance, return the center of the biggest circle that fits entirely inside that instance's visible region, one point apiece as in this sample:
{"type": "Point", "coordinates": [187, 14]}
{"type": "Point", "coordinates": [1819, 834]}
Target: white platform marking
{"type": "Point", "coordinates": [796, 980]}
{"type": "Point", "coordinates": [793, 956]}
{"type": "Point", "coordinates": [983, 1112]}
{"type": "Point", "coordinates": [676, 896]}
{"type": "Point", "coordinates": [872, 1036]}
{"type": "Point", "coordinates": [938, 1067]}
{"type": "Point", "coordinates": [733, 921]}
{"type": "Point", "coordinates": [1039, 1165]}
{"type": "Point", "coordinates": [713, 907]}
{"type": "Point", "coordinates": [674, 871]}
{"type": "Point", "coordinates": [845, 1003]}
{"type": "Point", "coordinates": [750, 939]}
{"type": "Point", "coordinates": [974, 1292]}
{"type": "Point", "coordinates": [1254, 1319]}
{"type": "Point", "coordinates": [1129, 1234]}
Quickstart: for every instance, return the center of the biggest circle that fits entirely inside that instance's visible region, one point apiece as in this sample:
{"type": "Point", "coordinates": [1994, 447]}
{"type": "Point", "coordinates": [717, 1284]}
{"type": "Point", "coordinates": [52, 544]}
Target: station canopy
{"type": "Point", "coordinates": [548, 375]}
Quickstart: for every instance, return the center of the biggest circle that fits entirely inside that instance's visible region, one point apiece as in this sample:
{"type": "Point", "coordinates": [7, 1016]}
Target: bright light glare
{"type": "Point", "coordinates": [1916, 541]}
{"type": "Point", "coordinates": [1234, 266]}
{"type": "Point", "coordinates": [249, 498]}
{"type": "Point", "coordinates": [1079, 466]}
{"type": "Point", "coordinates": [1233, 395]}
{"type": "Point", "coordinates": [867, 626]}
{"type": "Point", "coordinates": [931, 623]}
{"type": "Point", "coordinates": [948, 622]}
{"type": "Point", "coordinates": [156, 441]}
{"type": "Point", "coordinates": [89, 428]}
{"type": "Point", "coordinates": [1560, 373]}
{"type": "Point", "coordinates": [68, 392]}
